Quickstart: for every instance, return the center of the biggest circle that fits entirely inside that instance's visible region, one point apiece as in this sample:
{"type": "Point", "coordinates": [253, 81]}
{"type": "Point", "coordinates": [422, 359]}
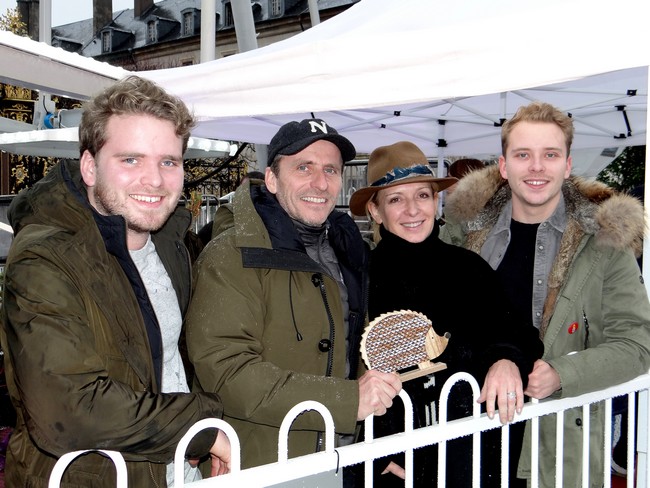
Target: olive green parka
{"type": "Point", "coordinates": [260, 312]}
{"type": "Point", "coordinates": [80, 368]}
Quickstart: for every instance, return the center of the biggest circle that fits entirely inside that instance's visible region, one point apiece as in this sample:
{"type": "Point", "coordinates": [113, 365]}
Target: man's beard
{"type": "Point", "coordinates": [108, 203]}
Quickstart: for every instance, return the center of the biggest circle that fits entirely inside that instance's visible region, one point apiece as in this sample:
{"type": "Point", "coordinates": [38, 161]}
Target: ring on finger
{"type": "Point", "coordinates": [511, 395]}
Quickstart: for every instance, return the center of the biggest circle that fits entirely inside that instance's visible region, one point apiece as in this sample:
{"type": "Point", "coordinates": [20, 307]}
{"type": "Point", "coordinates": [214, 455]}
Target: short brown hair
{"type": "Point", "coordinates": [538, 112]}
{"type": "Point", "coordinates": [131, 96]}
{"type": "Point", "coordinates": [275, 164]}
{"type": "Point", "coordinates": [461, 167]}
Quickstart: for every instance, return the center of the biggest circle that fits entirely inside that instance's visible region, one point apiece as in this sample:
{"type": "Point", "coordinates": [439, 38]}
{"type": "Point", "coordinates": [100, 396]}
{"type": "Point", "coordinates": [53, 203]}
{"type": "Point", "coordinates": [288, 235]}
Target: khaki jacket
{"type": "Point", "coordinates": [79, 364]}
{"type": "Point", "coordinates": [260, 308]}
{"type": "Point", "coordinates": [595, 275]}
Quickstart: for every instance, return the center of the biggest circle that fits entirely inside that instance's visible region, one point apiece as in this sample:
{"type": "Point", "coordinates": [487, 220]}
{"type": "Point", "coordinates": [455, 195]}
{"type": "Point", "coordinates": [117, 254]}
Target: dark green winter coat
{"type": "Point", "coordinates": [80, 369]}
{"type": "Point", "coordinates": [257, 318]}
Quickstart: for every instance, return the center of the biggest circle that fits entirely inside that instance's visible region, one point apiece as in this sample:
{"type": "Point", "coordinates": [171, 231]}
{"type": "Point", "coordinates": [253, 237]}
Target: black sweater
{"type": "Point", "coordinates": [460, 293]}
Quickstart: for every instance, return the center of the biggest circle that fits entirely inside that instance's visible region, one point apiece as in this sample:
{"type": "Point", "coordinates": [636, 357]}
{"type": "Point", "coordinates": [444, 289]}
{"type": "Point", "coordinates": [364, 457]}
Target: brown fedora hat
{"type": "Point", "coordinates": [397, 164]}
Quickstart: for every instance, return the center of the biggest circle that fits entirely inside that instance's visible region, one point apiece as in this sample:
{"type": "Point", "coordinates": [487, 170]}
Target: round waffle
{"type": "Point", "coordinates": [398, 340]}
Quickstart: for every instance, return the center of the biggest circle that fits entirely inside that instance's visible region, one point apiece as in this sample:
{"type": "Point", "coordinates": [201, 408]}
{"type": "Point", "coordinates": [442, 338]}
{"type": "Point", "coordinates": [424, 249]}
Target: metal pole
{"type": "Point", "coordinates": [643, 428]}
{"type": "Point", "coordinates": [208, 30]}
{"type": "Point", "coordinates": [44, 103]}
{"type": "Point", "coordinates": [45, 21]}
{"type": "Point", "coordinates": [242, 14]}
{"type": "Point", "coordinates": [314, 15]}
{"type": "Point", "coordinates": [440, 164]}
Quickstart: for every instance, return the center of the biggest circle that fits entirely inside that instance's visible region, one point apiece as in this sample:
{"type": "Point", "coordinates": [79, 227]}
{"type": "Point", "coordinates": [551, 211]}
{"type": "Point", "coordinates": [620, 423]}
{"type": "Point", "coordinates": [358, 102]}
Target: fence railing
{"type": "Point", "coordinates": [333, 460]}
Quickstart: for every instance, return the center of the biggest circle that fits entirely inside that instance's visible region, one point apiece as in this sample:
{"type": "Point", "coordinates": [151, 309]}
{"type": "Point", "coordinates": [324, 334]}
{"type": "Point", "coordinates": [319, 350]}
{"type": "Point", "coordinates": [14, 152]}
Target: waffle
{"type": "Point", "coordinates": [400, 340]}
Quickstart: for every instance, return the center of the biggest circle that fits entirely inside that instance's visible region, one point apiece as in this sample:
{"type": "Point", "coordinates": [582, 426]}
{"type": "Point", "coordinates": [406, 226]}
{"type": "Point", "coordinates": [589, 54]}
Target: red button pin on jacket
{"type": "Point", "coordinates": [573, 327]}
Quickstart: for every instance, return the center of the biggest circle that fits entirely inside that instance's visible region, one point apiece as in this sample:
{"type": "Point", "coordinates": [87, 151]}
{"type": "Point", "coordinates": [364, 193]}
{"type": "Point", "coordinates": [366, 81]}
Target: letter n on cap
{"type": "Point", "coordinates": [316, 125]}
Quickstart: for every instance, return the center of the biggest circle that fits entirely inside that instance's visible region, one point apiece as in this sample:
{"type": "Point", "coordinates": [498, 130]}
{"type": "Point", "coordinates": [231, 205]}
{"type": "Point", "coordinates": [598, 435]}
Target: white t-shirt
{"type": "Point", "coordinates": [165, 304]}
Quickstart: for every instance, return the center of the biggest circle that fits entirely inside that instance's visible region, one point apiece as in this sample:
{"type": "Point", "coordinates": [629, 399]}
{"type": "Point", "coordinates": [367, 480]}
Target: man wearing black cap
{"type": "Point", "coordinates": [279, 302]}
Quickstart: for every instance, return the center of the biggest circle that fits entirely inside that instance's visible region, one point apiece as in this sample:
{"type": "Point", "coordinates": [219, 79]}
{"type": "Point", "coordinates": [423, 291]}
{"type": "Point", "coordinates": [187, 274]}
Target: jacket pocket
{"type": "Point", "coordinates": [79, 478]}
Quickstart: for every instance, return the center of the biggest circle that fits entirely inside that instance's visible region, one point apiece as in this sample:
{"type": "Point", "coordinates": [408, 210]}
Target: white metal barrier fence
{"type": "Point", "coordinates": [334, 460]}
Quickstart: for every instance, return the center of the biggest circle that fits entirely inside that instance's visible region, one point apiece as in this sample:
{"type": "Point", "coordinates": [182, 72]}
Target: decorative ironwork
{"type": "Point", "coordinates": [17, 103]}
{"type": "Point", "coordinates": [27, 170]}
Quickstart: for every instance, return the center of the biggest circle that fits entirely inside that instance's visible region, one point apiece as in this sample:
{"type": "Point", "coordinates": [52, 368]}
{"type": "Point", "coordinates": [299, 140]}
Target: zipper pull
{"type": "Point", "coordinates": [316, 279]}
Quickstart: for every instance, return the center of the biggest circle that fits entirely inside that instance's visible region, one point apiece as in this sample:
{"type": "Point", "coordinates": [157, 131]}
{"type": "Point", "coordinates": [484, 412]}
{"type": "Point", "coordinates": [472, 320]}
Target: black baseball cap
{"type": "Point", "coordinates": [294, 136]}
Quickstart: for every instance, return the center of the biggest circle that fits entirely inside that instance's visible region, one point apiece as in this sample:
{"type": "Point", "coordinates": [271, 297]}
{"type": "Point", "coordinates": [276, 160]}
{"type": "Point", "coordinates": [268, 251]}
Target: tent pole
{"type": "Point", "coordinates": [44, 103]}
{"type": "Point", "coordinates": [643, 443]}
{"type": "Point", "coordinates": [208, 30]}
{"type": "Point", "coordinates": [441, 171]}
{"type": "Point", "coordinates": [314, 15]}
{"type": "Point", "coordinates": [45, 21]}
{"type": "Point", "coordinates": [242, 14]}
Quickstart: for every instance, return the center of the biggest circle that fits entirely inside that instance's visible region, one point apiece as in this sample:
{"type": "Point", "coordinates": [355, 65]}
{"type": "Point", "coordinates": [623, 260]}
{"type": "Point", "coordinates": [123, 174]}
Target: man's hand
{"type": "Point", "coordinates": [503, 384]}
{"type": "Point", "coordinates": [543, 380]}
{"type": "Point", "coordinates": [220, 455]}
{"type": "Point", "coordinates": [376, 393]}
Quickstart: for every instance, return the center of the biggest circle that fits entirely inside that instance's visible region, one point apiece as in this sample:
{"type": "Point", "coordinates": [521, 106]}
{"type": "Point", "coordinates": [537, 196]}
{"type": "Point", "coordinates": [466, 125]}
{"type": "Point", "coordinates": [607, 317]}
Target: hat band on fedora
{"type": "Point", "coordinates": [398, 173]}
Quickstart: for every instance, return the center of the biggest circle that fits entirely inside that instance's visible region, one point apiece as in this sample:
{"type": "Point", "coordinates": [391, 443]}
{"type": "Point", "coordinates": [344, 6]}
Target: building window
{"type": "Point", "coordinates": [188, 24]}
{"type": "Point", "coordinates": [228, 20]}
{"type": "Point", "coordinates": [151, 31]}
{"type": "Point", "coordinates": [106, 42]}
{"type": "Point", "coordinates": [276, 7]}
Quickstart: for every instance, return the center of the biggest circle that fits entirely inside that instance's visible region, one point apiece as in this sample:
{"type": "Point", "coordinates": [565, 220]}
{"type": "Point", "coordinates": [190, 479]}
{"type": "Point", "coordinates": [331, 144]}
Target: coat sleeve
{"type": "Point", "coordinates": [614, 344]}
{"type": "Point", "coordinates": [226, 326]}
{"type": "Point", "coordinates": [67, 397]}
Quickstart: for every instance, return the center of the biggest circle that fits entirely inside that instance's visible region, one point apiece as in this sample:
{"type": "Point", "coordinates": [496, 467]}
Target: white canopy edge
{"type": "Point", "coordinates": [39, 66]}
{"type": "Point", "coordinates": [64, 143]}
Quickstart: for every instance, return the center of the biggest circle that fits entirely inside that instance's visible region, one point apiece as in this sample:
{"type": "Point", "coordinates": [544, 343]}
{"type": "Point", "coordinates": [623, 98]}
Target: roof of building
{"type": "Point", "coordinates": [131, 32]}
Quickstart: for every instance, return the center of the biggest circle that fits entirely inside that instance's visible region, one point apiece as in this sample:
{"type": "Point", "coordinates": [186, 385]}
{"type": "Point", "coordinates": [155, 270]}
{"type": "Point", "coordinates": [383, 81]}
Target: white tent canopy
{"type": "Point", "coordinates": [384, 71]}
{"type": "Point", "coordinates": [39, 66]}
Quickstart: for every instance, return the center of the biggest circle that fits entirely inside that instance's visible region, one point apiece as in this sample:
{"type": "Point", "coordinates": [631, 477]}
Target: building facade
{"type": "Point", "coordinates": [166, 34]}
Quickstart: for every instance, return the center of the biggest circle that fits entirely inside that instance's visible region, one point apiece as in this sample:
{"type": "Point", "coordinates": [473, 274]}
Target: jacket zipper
{"type": "Point", "coordinates": [586, 322]}
{"type": "Point", "coordinates": [318, 281]}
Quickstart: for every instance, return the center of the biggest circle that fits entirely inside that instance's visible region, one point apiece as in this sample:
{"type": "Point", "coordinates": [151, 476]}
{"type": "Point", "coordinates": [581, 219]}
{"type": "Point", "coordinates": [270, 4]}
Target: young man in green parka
{"type": "Point", "coordinates": [279, 302]}
{"type": "Point", "coordinates": [96, 283]}
{"type": "Point", "coordinates": [565, 249]}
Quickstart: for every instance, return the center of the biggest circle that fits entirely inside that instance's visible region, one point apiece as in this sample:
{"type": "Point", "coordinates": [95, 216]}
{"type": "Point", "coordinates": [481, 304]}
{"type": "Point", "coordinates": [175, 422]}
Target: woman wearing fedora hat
{"type": "Point", "coordinates": [411, 268]}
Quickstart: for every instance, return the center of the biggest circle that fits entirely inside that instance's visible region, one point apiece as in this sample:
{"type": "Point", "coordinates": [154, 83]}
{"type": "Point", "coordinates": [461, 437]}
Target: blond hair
{"type": "Point", "coordinates": [131, 96]}
{"type": "Point", "coordinates": [538, 112]}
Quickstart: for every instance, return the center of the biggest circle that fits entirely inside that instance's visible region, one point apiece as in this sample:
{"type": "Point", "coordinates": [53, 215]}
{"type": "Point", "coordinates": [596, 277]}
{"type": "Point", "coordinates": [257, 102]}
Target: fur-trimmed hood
{"type": "Point", "coordinates": [616, 219]}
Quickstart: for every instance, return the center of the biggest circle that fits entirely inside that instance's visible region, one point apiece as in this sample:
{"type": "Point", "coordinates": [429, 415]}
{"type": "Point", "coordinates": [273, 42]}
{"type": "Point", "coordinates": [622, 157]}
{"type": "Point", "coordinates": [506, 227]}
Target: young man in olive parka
{"type": "Point", "coordinates": [96, 283]}
{"type": "Point", "coordinates": [565, 249]}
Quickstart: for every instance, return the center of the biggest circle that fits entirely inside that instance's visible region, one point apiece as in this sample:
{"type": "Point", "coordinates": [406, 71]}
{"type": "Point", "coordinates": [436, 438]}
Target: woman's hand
{"type": "Point", "coordinates": [503, 384]}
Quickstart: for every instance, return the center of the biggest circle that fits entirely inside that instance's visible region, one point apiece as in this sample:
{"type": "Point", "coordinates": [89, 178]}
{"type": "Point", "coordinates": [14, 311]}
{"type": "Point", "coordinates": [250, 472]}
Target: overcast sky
{"type": "Point", "coordinates": [66, 11]}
